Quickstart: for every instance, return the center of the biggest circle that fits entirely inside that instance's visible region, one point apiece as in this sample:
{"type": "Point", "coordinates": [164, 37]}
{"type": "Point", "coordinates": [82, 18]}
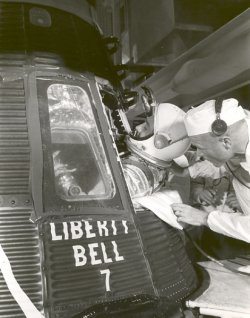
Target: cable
{"type": "Point", "coordinates": [236, 176]}
{"type": "Point", "coordinates": [218, 181]}
{"type": "Point", "coordinates": [232, 269]}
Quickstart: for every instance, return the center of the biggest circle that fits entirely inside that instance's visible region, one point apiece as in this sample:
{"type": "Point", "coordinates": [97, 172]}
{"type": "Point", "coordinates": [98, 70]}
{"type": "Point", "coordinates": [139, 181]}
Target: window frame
{"type": "Point", "coordinates": [52, 203]}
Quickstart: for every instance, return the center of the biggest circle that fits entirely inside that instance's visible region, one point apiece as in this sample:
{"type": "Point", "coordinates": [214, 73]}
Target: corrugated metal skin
{"type": "Point", "coordinates": [18, 235]}
{"type": "Point", "coordinates": [19, 239]}
{"type": "Point", "coordinates": [14, 144]}
{"type": "Point", "coordinates": [11, 27]}
{"type": "Point", "coordinates": [173, 273]}
{"type": "Point", "coordinates": [73, 289]}
{"type": "Point", "coordinates": [69, 289]}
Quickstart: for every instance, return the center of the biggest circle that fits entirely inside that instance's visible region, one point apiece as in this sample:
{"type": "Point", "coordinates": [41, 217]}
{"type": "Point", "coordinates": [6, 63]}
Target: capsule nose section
{"type": "Point", "coordinates": [161, 141]}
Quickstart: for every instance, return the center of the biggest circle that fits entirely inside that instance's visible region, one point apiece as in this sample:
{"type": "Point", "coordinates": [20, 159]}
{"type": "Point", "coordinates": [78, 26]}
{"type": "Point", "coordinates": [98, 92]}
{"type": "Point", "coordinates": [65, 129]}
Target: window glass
{"type": "Point", "coordinates": [81, 170]}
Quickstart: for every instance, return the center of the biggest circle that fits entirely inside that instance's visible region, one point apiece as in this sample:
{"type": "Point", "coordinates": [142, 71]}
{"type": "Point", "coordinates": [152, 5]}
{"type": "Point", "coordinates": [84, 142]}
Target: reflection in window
{"type": "Point", "coordinates": [81, 169]}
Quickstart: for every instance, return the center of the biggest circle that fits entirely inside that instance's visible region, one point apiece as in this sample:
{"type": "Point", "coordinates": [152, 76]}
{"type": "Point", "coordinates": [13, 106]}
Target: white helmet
{"type": "Point", "coordinates": [169, 140]}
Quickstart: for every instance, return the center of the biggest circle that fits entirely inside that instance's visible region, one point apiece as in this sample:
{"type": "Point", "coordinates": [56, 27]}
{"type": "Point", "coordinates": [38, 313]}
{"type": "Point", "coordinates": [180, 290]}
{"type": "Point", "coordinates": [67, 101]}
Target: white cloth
{"type": "Point", "coordinates": [236, 225]}
{"type": "Point", "coordinates": [206, 169]}
{"type": "Point", "coordinates": [198, 120]}
{"type": "Point", "coordinates": [160, 204]}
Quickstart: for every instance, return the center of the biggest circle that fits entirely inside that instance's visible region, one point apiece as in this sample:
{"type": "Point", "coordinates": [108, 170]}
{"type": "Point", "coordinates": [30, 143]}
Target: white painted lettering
{"type": "Point", "coordinates": [106, 272]}
{"type": "Point", "coordinates": [88, 229]}
{"type": "Point", "coordinates": [65, 230]}
{"type": "Point", "coordinates": [102, 227]}
{"type": "Point", "coordinates": [93, 254]}
{"type": "Point", "coordinates": [79, 255]}
{"type": "Point", "coordinates": [53, 233]}
{"type": "Point", "coordinates": [114, 227]}
{"type": "Point", "coordinates": [106, 259]}
{"type": "Point", "coordinates": [124, 223]}
{"type": "Point", "coordinates": [76, 230]}
{"type": "Point", "coordinates": [117, 256]}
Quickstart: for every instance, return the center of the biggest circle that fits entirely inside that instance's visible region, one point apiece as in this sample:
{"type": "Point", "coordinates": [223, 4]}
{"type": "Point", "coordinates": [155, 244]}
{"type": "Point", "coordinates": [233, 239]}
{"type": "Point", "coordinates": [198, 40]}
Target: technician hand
{"type": "Point", "coordinates": [232, 202]}
{"type": "Point", "coordinates": [204, 196]}
{"type": "Point", "coordinates": [187, 214]}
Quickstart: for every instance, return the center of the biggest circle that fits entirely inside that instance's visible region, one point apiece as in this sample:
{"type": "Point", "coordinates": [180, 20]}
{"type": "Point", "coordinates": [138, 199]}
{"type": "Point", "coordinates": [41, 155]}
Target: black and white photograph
{"type": "Point", "coordinates": [124, 158]}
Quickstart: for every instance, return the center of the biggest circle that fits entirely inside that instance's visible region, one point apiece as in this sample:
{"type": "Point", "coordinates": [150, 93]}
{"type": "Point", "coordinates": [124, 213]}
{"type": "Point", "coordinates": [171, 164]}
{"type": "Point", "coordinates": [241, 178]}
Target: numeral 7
{"type": "Point", "coordinates": [107, 279]}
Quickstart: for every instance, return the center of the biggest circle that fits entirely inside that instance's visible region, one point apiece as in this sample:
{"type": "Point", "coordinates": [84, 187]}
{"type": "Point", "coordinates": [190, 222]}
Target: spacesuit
{"type": "Point", "coordinates": [147, 168]}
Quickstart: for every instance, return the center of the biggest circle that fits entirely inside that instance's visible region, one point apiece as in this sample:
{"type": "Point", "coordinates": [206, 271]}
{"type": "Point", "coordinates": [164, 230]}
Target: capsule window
{"type": "Point", "coordinates": [81, 169]}
{"type": "Point", "coordinates": [40, 17]}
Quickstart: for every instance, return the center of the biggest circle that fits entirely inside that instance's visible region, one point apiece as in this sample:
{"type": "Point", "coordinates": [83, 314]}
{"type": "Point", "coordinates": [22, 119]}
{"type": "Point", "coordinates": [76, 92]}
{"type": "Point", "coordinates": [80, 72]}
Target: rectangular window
{"type": "Point", "coordinates": [81, 169]}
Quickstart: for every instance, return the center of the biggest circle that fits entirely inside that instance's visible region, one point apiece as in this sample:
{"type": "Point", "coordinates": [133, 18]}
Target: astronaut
{"type": "Point", "coordinates": [147, 168]}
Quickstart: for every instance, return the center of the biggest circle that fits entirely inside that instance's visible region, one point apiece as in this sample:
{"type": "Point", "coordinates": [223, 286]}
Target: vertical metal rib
{"type": "Point", "coordinates": [14, 143]}
{"type": "Point", "coordinates": [19, 239]}
{"type": "Point", "coordinates": [18, 236]}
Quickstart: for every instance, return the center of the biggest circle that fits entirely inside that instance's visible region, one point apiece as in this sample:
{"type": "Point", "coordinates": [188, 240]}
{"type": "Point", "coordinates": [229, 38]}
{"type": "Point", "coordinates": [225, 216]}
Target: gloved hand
{"type": "Point", "coordinates": [178, 171]}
